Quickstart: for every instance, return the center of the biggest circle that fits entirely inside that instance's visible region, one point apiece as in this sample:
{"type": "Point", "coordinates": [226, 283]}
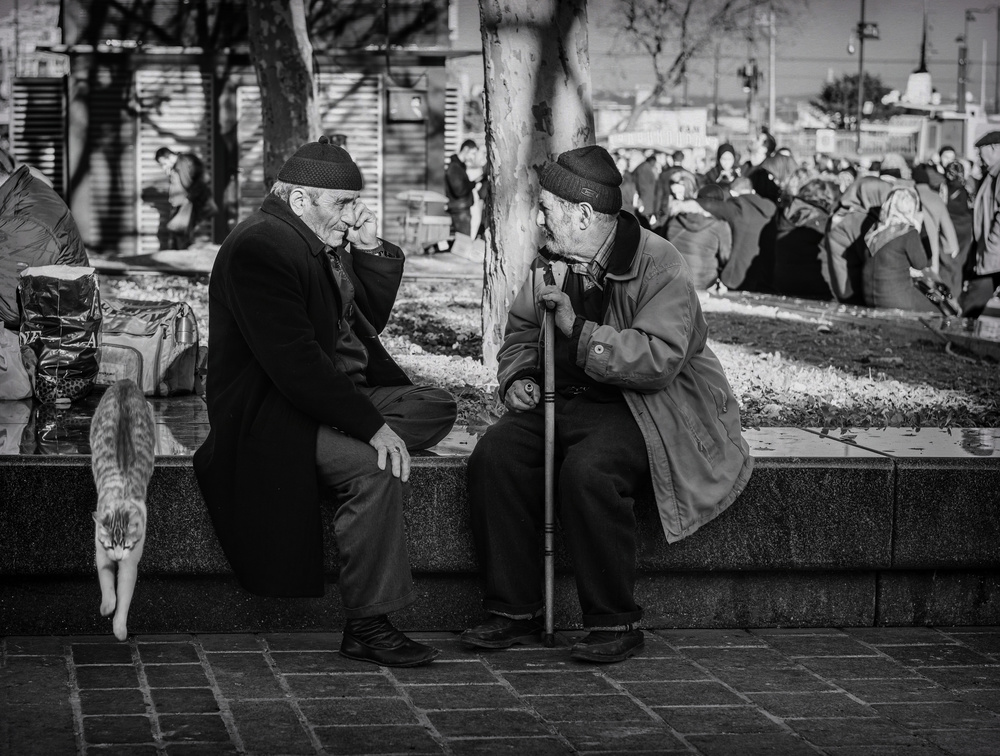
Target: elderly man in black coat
{"type": "Point", "coordinates": [302, 396]}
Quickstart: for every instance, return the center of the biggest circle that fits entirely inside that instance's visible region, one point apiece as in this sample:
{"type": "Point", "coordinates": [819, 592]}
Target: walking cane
{"type": "Point", "coordinates": [549, 398]}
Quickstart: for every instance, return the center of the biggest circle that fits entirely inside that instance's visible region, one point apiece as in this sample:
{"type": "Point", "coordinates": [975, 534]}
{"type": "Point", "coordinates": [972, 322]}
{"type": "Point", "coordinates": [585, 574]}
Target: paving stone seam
{"type": "Point", "coordinates": [74, 699]}
{"type": "Point", "coordinates": [223, 703]}
{"type": "Point", "coordinates": [290, 697]}
{"type": "Point", "coordinates": [506, 685]}
{"type": "Point", "coordinates": [744, 697]}
{"type": "Point", "coordinates": [147, 696]}
{"type": "Point", "coordinates": [419, 713]}
{"type": "Point", "coordinates": [651, 712]}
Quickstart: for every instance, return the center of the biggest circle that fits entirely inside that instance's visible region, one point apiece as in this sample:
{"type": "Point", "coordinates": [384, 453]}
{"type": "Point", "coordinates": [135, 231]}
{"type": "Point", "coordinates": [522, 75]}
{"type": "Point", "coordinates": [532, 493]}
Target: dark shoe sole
{"type": "Point", "coordinates": [398, 665]}
{"type": "Point", "coordinates": [599, 658]}
{"type": "Point", "coordinates": [505, 643]}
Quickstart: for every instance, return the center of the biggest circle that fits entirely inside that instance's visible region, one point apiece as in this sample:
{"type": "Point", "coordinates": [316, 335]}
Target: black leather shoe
{"type": "Point", "coordinates": [502, 632]}
{"type": "Point", "coordinates": [605, 646]}
{"type": "Point", "coordinates": [375, 640]}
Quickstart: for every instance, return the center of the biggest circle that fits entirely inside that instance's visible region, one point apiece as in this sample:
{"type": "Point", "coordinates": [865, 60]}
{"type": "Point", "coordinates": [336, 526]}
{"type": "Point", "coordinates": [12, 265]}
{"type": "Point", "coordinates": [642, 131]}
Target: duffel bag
{"type": "Point", "coordinates": [154, 343]}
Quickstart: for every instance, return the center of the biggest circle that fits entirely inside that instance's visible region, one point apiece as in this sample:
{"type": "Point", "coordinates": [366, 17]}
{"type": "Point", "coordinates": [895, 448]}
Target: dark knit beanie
{"type": "Point", "coordinates": [322, 165]}
{"type": "Point", "coordinates": [586, 174]}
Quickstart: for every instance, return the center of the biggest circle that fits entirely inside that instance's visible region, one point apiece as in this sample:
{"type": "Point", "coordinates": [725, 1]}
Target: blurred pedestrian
{"type": "Point", "coordinates": [645, 175]}
{"type": "Point", "coordinates": [460, 188]}
{"type": "Point", "coordinates": [984, 261]}
{"type": "Point", "coordinates": [188, 194]}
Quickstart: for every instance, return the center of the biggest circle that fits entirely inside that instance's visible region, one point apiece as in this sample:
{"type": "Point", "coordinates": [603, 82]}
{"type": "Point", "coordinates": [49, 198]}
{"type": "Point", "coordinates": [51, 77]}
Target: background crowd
{"type": "Point", "coordinates": [881, 233]}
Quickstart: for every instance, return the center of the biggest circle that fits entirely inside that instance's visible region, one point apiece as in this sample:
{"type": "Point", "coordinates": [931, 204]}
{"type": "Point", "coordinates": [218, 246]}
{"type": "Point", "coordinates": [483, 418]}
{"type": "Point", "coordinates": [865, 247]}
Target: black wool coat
{"type": "Point", "coordinates": [274, 310]}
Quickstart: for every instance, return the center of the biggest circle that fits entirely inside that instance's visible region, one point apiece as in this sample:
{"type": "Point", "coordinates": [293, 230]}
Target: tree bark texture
{"type": "Point", "coordinates": [538, 104]}
{"type": "Point", "coordinates": [282, 58]}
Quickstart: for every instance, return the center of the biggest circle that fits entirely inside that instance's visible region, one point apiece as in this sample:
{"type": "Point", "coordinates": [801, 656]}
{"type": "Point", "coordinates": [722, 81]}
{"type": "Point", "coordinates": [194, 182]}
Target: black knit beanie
{"type": "Point", "coordinates": [322, 165]}
{"type": "Point", "coordinates": [586, 174]}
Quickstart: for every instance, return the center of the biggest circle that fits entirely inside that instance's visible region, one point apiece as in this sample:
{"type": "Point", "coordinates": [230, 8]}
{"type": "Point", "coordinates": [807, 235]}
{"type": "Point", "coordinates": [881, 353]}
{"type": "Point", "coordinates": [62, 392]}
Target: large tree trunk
{"type": "Point", "coordinates": [282, 58]}
{"type": "Point", "coordinates": [538, 104]}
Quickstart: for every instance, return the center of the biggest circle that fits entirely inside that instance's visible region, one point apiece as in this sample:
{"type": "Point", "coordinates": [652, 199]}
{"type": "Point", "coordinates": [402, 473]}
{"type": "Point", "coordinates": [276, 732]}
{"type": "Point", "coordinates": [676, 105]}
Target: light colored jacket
{"type": "Point", "coordinates": [653, 347]}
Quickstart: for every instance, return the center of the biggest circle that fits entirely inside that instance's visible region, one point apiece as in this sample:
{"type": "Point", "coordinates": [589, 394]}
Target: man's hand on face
{"type": "Point", "coordinates": [361, 232]}
{"type": "Point", "coordinates": [557, 301]}
{"type": "Point", "coordinates": [390, 446]}
{"type": "Point", "coordinates": [522, 395]}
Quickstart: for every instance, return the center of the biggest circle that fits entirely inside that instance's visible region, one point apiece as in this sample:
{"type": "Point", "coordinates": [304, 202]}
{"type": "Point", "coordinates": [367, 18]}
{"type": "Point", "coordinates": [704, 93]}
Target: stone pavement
{"type": "Point", "coordinates": [871, 691]}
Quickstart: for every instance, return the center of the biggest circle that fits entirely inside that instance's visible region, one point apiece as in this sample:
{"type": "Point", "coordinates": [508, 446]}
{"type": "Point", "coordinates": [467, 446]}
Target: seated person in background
{"type": "Point", "coordinates": [894, 247]}
{"type": "Point", "coordinates": [747, 215]}
{"type": "Point", "coordinates": [798, 241]}
{"type": "Point", "coordinates": [36, 228]}
{"type": "Point", "coordinates": [725, 171]}
{"type": "Point", "coordinates": [704, 241]}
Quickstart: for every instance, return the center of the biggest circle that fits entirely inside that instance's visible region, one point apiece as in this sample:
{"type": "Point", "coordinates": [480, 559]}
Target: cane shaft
{"type": "Point", "coordinates": [549, 398]}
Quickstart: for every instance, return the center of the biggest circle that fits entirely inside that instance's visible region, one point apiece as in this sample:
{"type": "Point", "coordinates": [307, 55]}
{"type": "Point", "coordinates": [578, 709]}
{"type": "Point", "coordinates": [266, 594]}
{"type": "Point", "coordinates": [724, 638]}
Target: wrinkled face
{"type": "Point", "coordinates": [556, 221]}
{"type": "Point", "coordinates": [989, 154]}
{"type": "Point", "coordinates": [947, 157]}
{"type": "Point", "coordinates": [726, 161]}
{"type": "Point", "coordinates": [327, 212]}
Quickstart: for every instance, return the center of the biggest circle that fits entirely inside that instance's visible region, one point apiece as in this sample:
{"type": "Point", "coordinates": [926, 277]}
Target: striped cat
{"type": "Point", "coordinates": [122, 435]}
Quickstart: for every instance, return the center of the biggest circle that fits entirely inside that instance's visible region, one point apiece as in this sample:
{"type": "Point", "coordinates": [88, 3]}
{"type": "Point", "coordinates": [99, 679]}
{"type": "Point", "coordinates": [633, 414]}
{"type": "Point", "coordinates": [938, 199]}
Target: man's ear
{"type": "Point", "coordinates": [297, 199]}
{"type": "Point", "coordinates": [586, 216]}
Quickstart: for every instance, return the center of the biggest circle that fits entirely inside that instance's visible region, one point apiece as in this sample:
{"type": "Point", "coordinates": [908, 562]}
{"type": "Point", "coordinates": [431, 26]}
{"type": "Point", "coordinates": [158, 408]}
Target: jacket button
{"type": "Point", "coordinates": [599, 349]}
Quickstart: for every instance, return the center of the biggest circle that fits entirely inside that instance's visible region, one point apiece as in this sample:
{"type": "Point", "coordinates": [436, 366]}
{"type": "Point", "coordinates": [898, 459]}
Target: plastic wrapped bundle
{"type": "Point", "coordinates": [60, 323]}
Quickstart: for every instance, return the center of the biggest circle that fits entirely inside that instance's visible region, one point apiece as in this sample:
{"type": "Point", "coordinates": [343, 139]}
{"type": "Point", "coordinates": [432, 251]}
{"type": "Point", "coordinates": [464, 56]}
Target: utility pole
{"type": "Point", "coordinates": [715, 87]}
{"type": "Point", "coordinates": [861, 72]}
{"type": "Point", "coordinates": [772, 115]}
{"type": "Point", "coordinates": [963, 54]}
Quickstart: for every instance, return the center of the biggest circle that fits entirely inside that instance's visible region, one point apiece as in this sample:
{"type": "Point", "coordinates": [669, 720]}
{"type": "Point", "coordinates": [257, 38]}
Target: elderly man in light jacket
{"type": "Point", "coordinates": [983, 267]}
{"type": "Point", "coordinates": [641, 402]}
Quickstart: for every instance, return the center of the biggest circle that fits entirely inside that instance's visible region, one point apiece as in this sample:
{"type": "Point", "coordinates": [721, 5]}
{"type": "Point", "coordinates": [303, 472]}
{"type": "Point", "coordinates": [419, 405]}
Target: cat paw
{"type": "Point", "coordinates": [108, 608]}
{"type": "Point", "coordinates": [121, 632]}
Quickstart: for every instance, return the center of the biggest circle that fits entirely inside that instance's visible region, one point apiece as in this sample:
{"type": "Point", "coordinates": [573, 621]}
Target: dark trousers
{"type": "Point", "coordinates": [461, 220]}
{"type": "Point", "coordinates": [371, 538]}
{"type": "Point", "coordinates": [601, 464]}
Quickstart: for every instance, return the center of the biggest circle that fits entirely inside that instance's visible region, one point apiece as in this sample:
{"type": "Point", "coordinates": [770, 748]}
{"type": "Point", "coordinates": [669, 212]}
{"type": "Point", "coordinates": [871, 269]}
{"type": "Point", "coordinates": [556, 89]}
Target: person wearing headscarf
{"type": "Point", "coordinates": [704, 241]}
{"type": "Point", "coordinates": [725, 171]}
{"type": "Point", "coordinates": [893, 247]}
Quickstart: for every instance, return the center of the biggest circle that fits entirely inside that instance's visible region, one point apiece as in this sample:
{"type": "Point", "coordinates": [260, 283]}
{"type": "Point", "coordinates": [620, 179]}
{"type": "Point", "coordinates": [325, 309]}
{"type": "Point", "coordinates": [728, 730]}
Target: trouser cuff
{"type": "Point", "coordinates": [616, 622]}
{"type": "Point", "coordinates": [521, 612]}
{"type": "Point", "coordinates": [384, 607]}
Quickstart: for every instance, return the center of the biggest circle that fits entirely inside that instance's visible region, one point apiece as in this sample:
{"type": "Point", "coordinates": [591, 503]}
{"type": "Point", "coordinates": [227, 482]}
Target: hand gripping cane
{"type": "Point", "coordinates": [549, 399]}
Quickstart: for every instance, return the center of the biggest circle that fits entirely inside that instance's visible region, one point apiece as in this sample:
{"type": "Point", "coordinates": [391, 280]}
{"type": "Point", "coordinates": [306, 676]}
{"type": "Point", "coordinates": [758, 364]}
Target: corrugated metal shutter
{"type": "Point", "coordinates": [249, 131]}
{"type": "Point", "coordinates": [38, 128]}
{"type": "Point", "coordinates": [350, 104]}
{"type": "Point", "coordinates": [176, 111]}
{"type": "Point", "coordinates": [110, 182]}
{"type": "Point", "coordinates": [405, 169]}
{"type": "Point", "coordinates": [453, 126]}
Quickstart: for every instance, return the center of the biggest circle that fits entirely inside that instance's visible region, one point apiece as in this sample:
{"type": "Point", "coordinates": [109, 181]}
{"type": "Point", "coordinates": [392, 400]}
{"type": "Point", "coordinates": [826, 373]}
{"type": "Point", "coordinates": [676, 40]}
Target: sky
{"type": "Point", "coordinates": [806, 53]}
